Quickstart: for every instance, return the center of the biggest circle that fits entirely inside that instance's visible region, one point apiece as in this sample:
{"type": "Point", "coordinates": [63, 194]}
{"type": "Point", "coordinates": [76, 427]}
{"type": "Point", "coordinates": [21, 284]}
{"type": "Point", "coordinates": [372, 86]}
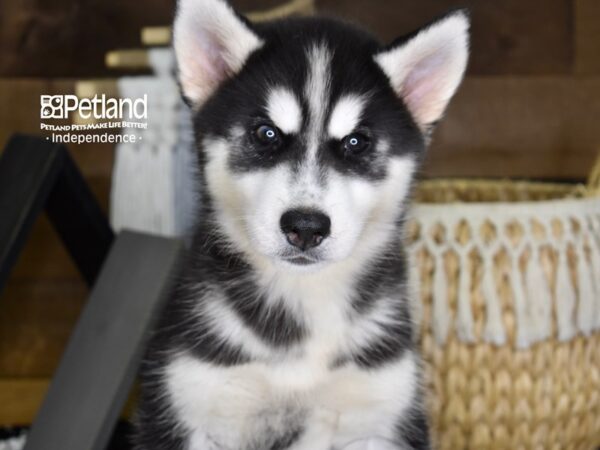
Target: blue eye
{"type": "Point", "coordinates": [355, 143]}
{"type": "Point", "coordinates": [267, 135]}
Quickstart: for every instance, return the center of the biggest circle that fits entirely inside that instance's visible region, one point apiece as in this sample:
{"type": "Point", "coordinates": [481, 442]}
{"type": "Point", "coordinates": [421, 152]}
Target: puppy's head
{"type": "Point", "coordinates": [309, 130]}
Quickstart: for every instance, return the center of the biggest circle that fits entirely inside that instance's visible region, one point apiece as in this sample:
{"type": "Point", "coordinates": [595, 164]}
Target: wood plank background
{"type": "Point", "coordinates": [70, 37]}
{"type": "Point", "coordinates": [530, 107]}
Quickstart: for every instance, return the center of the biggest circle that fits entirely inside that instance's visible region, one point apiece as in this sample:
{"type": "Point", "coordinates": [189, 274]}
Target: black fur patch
{"type": "Point", "coordinates": [285, 441]}
{"type": "Point", "coordinates": [273, 323]}
{"type": "Point", "coordinates": [385, 279]}
{"type": "Point", "coordinates": [391, 347]}
{"type": "Point", "coordinates": [414, 429]}
{"type": "Point", "coordinates": [155, 426]}
{"type": "Point", "coordinates": [386, 276]}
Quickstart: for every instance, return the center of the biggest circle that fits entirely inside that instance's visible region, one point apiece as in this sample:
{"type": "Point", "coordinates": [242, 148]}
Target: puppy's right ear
{"type": "Point", "coordinates": [211, 43]}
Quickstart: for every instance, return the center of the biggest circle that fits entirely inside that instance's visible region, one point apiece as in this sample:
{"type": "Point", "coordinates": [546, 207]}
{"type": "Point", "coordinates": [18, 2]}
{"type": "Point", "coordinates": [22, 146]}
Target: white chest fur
{"type": "Point", "coordinates": [232, 405]}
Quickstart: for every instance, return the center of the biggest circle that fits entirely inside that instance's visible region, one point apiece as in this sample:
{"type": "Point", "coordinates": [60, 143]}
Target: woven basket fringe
{"type": "Point", "coordinates": [510, 314]}
{"type": "Point", "coordinates": [563, 301]}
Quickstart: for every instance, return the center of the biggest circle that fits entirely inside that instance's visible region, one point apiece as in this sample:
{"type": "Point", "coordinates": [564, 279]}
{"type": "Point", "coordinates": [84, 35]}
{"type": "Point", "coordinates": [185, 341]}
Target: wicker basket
{"type": "Point", "coordinates": [508, 275]}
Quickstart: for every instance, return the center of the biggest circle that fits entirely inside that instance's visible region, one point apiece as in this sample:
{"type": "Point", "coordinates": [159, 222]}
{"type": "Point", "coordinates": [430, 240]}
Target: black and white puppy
{"type": "Point", "coordinates": [291, 325]}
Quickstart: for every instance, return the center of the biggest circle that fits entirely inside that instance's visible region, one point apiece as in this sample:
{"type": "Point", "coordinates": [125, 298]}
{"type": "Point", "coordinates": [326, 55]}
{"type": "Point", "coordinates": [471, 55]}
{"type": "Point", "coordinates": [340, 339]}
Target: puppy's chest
{"type": "Point", "coordinates": [267, 395]}
{"type": "Point", "coordinates": [234, 404]}
{"type": "Point", "coordinates": [301, 371]}
{"type": "Point", "coordinates": [282, 389]}
{"type": "Point", "coordinates": [275, 376]}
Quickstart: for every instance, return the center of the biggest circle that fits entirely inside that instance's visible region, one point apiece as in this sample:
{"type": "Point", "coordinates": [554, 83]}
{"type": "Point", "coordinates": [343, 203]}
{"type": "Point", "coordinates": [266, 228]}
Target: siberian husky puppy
{"type": "Point", "coordinates": [290, 327]}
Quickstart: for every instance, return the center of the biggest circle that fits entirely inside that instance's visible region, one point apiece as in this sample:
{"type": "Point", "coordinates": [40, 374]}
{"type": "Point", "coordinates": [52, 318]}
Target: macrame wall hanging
{"type": "Point", "coordinates": [153, 183]}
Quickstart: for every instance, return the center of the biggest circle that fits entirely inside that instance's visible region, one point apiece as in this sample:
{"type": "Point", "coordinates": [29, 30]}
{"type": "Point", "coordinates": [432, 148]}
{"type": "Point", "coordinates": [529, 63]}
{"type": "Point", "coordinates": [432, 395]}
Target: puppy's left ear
{"type": "Point", "coordinates": [426, 69]}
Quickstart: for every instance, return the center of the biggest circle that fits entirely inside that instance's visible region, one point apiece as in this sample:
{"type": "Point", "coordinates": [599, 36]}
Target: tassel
{"type": "Point", "coordinates": [524, 336]}
{"type": "Point", "coordinates": [464, 324]}
{"type": "Point", "coordinates": [494, 328]}
{"type": "Point", "coordinates": [595, 270]}
{"type": "Point", "coordinates": [415, 287]}
{"type": "Point", "coordinates": [441, 311]}
{"type": "Point", "coordinates": [586, 309]}
{"type": "Point", "coordinates": [565, 298]}
{"type": "Point", "coordinates": [539, 299]}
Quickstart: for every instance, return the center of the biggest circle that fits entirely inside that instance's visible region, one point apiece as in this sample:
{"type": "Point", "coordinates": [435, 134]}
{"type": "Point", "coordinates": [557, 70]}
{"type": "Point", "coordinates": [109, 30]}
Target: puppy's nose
{"type": "Point", "coordinates": [305, 229]}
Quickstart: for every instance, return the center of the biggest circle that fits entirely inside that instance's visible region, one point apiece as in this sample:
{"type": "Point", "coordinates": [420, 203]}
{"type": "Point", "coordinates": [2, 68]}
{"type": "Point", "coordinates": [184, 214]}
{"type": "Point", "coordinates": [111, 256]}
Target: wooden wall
{"type": "Point", "coordinates": [527, 108]}
{"type": "Point", "coordinates": [530, 107]}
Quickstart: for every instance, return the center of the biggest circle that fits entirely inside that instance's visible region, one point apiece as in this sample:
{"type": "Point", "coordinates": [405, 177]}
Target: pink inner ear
{"type": "Point", "coordinates": [210, 59]}
{"type": "Point", "coordinates": [423, 89]}
{"type": "Point", "coordinates": [202, 64]}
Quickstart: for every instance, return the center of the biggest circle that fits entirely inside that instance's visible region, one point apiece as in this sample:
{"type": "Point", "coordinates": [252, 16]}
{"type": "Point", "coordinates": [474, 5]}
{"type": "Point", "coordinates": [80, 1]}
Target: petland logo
{"type": "Point", "coordinates": [99, 108]}
{"type": "Point", "coordinates": [93, 120]}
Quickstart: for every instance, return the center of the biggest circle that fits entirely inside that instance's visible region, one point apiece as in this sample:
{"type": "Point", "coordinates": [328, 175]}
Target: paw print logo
{"type": "Point", "coordinates": [51, 107]}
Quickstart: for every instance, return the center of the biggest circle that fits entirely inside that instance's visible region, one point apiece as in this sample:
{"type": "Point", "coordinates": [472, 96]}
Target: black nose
{"type": "Point", "coordinates": [305, 228]}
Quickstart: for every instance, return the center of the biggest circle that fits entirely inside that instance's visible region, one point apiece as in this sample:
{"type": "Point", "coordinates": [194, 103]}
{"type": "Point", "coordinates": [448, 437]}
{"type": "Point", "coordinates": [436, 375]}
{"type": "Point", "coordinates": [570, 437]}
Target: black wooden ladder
{"type": "Point", "coordinates": [130, 275]}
